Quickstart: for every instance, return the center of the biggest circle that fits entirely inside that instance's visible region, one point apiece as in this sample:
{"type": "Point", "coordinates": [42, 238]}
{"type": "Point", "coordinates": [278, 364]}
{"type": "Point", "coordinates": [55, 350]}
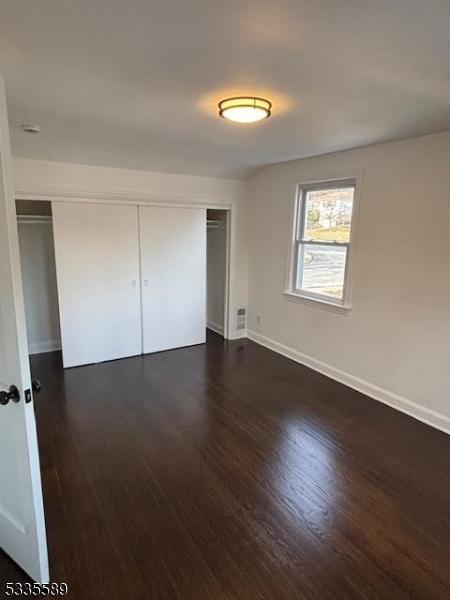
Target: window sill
{"type": "Point", "coordinates": [342, 309]}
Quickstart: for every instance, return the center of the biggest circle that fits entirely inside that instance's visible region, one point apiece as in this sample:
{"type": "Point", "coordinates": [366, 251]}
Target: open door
{"type": "Point", "coordinates": [22, 524]}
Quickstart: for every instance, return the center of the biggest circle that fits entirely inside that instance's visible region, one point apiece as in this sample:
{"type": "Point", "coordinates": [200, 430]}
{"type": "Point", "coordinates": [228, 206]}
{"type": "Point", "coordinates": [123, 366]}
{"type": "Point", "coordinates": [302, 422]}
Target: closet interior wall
{"type": "Point", "coordinates": [216, 272]}
{"type": "Point", "coordinates": [37, 257]}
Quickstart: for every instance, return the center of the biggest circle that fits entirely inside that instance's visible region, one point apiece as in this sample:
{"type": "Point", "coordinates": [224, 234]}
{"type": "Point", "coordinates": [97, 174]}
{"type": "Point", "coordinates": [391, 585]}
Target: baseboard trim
{"type": "Point", "coordinates": [421, 413]}
{"type": "Point", "coordinates": [215, 327]}
{"type": "Point", "coordinates": [238, 335]}
{"type": "Point", "coordinates": [46, 346]}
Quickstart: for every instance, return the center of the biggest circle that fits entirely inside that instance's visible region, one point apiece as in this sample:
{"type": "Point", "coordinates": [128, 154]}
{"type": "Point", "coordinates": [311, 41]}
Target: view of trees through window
{"type": "Point", "coordinates": [325, 219]}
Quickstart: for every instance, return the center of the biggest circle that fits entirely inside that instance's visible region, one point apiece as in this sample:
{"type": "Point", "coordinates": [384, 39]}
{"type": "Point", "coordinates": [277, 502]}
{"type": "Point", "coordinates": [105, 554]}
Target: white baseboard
{"type": "Point", "coordinates": [45, 346]}
{"type": "Point", "coordinates": [238, 335]}
{"type": "Point", "coordinates": [421, 413]}
{"type": "Point", "coordinates": [215, 327]}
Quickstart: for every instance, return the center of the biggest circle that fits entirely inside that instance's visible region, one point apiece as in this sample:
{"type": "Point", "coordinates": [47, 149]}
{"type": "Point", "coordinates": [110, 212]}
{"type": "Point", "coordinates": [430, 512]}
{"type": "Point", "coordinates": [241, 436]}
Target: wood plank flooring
{"type": "Point", "coordinates": [226, 472]}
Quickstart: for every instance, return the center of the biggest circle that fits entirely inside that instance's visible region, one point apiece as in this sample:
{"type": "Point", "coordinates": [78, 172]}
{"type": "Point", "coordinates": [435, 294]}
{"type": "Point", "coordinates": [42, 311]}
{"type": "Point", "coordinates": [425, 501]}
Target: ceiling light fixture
{"type": "Point", "coordinates": [245, 109]}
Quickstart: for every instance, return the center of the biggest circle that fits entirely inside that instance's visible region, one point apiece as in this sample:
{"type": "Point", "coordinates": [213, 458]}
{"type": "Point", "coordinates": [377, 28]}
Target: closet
{"type": "Point", "coordinates": [130, 279]}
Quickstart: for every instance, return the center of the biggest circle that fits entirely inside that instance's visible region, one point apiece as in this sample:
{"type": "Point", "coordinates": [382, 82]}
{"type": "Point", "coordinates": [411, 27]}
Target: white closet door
{"type": "Point", "coordinates": [97, 266]}
{"type": "Point", "coordinates": [173, 270]}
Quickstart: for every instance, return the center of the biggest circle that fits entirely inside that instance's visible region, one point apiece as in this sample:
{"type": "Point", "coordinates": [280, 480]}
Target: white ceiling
{"type": "Point", "coordinates": [135, 83]}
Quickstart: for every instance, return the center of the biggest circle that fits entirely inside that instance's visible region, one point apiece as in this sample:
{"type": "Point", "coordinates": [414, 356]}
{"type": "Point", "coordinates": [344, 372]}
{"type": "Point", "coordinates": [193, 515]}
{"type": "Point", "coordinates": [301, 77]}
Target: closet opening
{"type": "Point", "coordinates": [37, 258]}
{"type": "Point", "coordinates": [104, 281]}
{"type": "Point", "coordinates": [217, 227]}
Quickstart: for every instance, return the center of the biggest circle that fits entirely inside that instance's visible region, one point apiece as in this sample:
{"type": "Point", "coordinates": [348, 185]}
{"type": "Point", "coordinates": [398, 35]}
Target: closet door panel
{"type": "Point", "coordinates": [97, 265]}
{"type": "Point", "coordinates": [173, 270]}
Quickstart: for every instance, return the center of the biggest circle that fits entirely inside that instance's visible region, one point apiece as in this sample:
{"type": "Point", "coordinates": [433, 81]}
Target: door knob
{"type": "Point", "coordinates": [12, 394]}
{"type": "Point", "coordinates": [36, 386]}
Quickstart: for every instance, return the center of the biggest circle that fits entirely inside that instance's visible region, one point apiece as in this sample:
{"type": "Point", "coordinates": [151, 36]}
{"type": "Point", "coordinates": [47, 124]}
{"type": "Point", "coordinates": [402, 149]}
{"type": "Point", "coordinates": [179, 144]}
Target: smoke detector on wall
{"type": "Point", "coordinates": [27, 128]}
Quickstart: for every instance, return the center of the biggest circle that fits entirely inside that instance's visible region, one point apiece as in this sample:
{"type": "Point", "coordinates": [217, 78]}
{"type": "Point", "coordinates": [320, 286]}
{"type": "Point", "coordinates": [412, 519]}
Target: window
{"type": "Point", "coordinates": [322, 240]}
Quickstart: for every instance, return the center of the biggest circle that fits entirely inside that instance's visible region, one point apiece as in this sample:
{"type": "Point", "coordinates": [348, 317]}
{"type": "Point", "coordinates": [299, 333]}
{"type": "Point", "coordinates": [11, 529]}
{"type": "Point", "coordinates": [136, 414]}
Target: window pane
{"type": "Point", "coordinates": [329, 215]}
{"type": "Point", "coordinates": [321, 269]}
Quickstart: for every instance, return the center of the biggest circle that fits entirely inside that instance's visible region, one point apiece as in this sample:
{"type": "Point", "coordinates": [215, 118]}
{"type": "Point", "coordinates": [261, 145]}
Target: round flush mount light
{"type": "Point", "coordinates": [245, 109]}
{"type": "Point", "coordinates": [27, 128]}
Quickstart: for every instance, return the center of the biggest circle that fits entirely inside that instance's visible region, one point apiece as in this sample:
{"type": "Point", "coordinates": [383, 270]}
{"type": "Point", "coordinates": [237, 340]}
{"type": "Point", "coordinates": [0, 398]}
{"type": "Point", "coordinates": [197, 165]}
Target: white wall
{"type": "Point", "coordinates": [48, 180]}
{"type": "Point", "coordinates": [395, 343]}
{"type": "Point", "coordinates": [37, 258]}
{"type": "Point", "coordinates": [215, 271]}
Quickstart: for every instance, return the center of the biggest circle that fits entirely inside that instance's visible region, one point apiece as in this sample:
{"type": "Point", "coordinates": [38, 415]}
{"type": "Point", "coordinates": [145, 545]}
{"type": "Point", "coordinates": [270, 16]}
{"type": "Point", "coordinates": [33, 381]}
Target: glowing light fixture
{"type": "Point", "coordinates": [245, 109]}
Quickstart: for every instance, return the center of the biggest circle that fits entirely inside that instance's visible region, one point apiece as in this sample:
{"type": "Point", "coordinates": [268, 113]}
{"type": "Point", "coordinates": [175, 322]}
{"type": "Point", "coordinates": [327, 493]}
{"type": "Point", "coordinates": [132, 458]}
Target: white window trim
{"type": "Point", "coordinates": [343, 306]}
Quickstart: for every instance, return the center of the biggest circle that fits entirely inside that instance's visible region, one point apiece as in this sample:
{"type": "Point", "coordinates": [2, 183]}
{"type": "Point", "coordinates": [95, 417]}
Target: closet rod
{"type": "Point", "coordinates": [34, 219]}
{"type": "Point", "coordinates": [212, 224]}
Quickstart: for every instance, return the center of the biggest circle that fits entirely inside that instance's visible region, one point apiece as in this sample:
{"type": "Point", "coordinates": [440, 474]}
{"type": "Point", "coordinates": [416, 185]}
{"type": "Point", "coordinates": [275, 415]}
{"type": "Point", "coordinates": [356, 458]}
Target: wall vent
{"type": "Point", "coordinates": [241, 318]}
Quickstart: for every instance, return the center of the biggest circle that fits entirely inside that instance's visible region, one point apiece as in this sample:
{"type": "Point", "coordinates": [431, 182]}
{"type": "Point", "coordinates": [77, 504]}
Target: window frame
{"type": "Point", "coordinates": [298, 242]}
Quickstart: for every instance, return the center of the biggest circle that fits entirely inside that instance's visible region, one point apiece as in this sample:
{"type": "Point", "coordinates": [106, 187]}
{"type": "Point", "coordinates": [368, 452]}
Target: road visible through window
{"type": "Point", "coordinates": [323, 229]}
{"type": "Point", "coordinates": [324, 269]}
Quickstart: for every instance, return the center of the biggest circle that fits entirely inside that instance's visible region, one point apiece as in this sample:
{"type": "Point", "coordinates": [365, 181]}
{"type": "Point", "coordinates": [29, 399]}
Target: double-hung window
{"type": "Point", "coordinates": [322, 241]}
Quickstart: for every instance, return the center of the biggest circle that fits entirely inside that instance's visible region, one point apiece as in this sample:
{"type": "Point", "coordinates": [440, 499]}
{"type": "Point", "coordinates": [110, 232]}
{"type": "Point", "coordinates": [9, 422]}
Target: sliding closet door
{"type": "Point", "coordinates": [97, 266]}
{"type": "Point", "coordinates": [173, 270]}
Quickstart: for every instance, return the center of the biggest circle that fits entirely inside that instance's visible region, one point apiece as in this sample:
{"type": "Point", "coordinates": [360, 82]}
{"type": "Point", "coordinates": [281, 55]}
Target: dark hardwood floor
{"type": "Point", "coordinates": [226, 471]}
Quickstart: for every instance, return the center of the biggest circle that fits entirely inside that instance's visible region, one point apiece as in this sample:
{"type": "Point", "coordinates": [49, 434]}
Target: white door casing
{"type": "Point", "coordinates": [22, 523]}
